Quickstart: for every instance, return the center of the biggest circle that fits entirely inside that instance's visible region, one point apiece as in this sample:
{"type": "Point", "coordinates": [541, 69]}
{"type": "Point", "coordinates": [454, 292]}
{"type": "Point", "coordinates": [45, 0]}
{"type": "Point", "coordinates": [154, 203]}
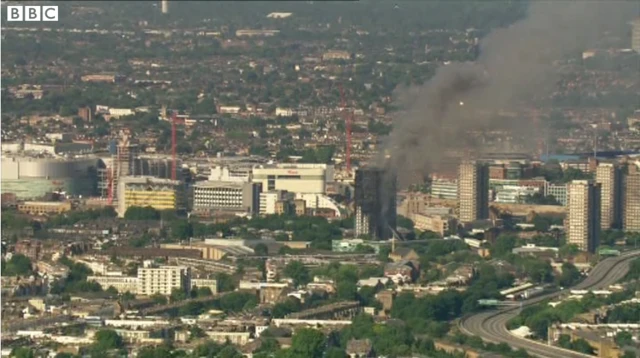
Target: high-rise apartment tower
{"type": "Point", "coordinates": [609, 176]}
{"type": "Point", "coordinates": [631, 199]}
{"type": "Point", "coordinates": [635, 35]}
{"type": "Point", "coordinates": [473, 191]}
{"type": "Point", "coordinates": [163, 280]}
{"type": "Point", "coordinates": [375, 203]}
{"type": "Point", "coordinates": [583, 217]}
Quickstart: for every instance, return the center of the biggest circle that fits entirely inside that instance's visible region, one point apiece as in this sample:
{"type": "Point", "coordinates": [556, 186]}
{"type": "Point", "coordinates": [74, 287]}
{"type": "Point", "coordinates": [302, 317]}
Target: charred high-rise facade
{"type": "Point", "coordinates": [631, 199]}
{"type": "Point", "coordinates": [473, 191]}
{"type": "Point", "coordinates": [375, 203]}
{"type": "Point", "coordinates": [609, 176]}
{"type": "Point", "coordinates": [583, 222]}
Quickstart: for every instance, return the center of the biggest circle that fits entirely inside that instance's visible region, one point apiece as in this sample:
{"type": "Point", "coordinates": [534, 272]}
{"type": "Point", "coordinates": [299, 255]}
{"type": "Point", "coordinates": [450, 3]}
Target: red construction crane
{"type": "Point", "coordinates": [110, 185]}
{"type": "Point", "coordinates": [174, 122]}
{"type": "Point", "coordinates": [111, 173]}
{"type": "Point", "coordinates": [348, 117]}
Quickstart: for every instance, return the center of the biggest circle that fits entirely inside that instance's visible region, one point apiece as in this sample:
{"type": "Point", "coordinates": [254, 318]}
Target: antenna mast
{"type": "Point", "coordinates": [174, 119]}
{"type": "Point", "coordinates": [348, 117]}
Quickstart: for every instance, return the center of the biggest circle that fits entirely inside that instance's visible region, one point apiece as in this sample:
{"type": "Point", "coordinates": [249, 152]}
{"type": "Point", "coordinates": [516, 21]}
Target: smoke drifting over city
{"type": "Point", "coordinates": [515, 63]}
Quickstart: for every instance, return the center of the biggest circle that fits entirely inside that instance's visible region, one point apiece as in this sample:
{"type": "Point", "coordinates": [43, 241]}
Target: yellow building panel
{"type": "Point", "coordinates": [160, 200]}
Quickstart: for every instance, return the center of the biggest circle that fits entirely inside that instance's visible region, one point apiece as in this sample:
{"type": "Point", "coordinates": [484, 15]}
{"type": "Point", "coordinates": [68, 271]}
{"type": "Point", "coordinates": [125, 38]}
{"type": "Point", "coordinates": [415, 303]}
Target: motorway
{"type": "Point", "coordinates": [491, 326]}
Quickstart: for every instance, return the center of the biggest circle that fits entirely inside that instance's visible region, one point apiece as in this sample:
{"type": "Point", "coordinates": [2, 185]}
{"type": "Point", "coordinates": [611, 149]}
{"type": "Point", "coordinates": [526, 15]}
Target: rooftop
{"type": "Point", "coordinates": [219, 184]}
{"type": "Point", "coordinates": [147, 179]}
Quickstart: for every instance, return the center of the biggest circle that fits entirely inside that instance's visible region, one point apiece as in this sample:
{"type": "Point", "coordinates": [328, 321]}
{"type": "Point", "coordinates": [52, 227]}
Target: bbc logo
{"type": "Point", "coordinates": [32, 13]}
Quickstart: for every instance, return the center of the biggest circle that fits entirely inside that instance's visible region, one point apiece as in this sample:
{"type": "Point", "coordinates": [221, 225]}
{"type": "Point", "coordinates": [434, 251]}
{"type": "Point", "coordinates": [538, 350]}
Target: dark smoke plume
{"type": "Point", "coordinates": [514, 65]}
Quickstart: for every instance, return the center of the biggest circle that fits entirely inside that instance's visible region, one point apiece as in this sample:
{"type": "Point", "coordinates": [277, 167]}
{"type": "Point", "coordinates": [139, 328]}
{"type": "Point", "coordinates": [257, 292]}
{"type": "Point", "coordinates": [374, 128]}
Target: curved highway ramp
{"type": "Point", "coordinates": [491, 326]}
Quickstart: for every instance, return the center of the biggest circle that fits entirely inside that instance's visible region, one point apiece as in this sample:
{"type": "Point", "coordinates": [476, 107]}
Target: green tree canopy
{"type": "Point", "coordinates": [141, 213]}
{"type": "Point", "coordinates": [22, 352]}
{"type": "Point", "coordinates": [298, 273]}
{"type": "Point", "coordinates": [623, 338]}
{"type": "Point", "coordinates": [18, 265]}
{"type": "Point", "coordinates": [503, 245]}
{"type": "Point", "coordinates": [569, 276]}
{"type": "Point", "coordinates": [225, 282]}
{"type": "Point", "coordinates": [238, 301]}
{"type": "Point", "coordinates": [308, 343]}
{"type": "Point", "coordinates": [181, 229]}
{"type": "Point", "coordinates": [107, 339]}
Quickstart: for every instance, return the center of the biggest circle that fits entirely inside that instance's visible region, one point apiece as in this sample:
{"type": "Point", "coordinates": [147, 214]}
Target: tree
{"type": "Point", "coordinates": [541, 223]}
{"type": "Point", "coordinates": [200, 292]}
{"type": "Point", "coordinates": [238, 301]}
{"type": "Point", "coordinates": [378, 128]}
{"type": "Point", "coordinates": [159, 299]}
{"type": "Point", "coordinates": [609, 237]}
{"type": "Point", "coordinates": [634, 270]}
{"type": "Point", "coordinates": [405, 222]}
{"type": "Point", "coordinates": [78, 122]}
{"type": "Point", "coordinates": [633, 239]}
{"type": "Point", "coordinates": [64, 355]}
{"type": "Point", "coordinates": [261, 250]}
{"type": "Point", "coordinates": [564, 341]}
{"type": "Point", "coordinates": [335, 352]}
{"type": "Point", "coordinates": [112, 291]}
{"type": "Point", "coordinates": [429, 235]}
{"type": "Point", "coordinates": [539, 270]}
{"type": "Point", "coordinates": [281, 309]}
{"type": "Point", "coordinates": [503, 245]}
{"type": "Point", "coordinates": [205, 106]}
{"type": "Point", "coordinates": [268, 346]}
{"type": "Point", "coordinates": [191, 309]}
{"type": "Point", "coordinates": [178, 295]}
{"type": "Point", "coordinates": [229, 352]}
{"type": "Point", "coordinates": [298, 272]}
{"type": "Point", "coordinates": [575, 174]}
{"type": "Point", "coordinates": [623, 338]}
{"type": "Point", "coordinates": [141, 213]}
{"type": "Point", "coordinates": [367, 296]}
{"type": "Point", "coordinates": [162, 351]}
{"type": "Point", "coordinates": [308, 343]}
{"type": "Point", "coordinates": [582, 346]}
{"type": "Point", "coordinates": [364, 249]}
{"type": "Point", "coordinates": [568, 250]}
{"type": "Point", "coordinates": [76, 281]}
{"type": "Point", "coordinates": [569, 276]}
{"type": "Point", "coordinates": [209, 349]}
{"type": "Point", "coordinates": [383, 254]}
{"type": "Point", "coordinates": [127, 296]}
{"type": "Point", "coordinates": [22, 352]}
{"type": "Point", "coordinates": [181, 229]}
{"type": "Point", "coordinates": [196, 332]}
{"type": "Point", "coordinates": [107, 339]}
{"type": "Point", "coordinates": [347, 290]}
{"type": "Point", "coordinates": [225, 282]}
{"type": "Point", "coordinates": [624, 314]}
{"type": "Point", "coordinates": [540, 199]}
{"type": "Point", "coordinates": [545, 240]}
{"type": "Point", "coordinates": [18, 265]}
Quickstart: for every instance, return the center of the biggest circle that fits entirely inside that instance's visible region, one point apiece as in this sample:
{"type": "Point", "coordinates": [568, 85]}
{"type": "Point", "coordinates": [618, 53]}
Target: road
{"type": "Point", "coordinates": [491, 326]}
